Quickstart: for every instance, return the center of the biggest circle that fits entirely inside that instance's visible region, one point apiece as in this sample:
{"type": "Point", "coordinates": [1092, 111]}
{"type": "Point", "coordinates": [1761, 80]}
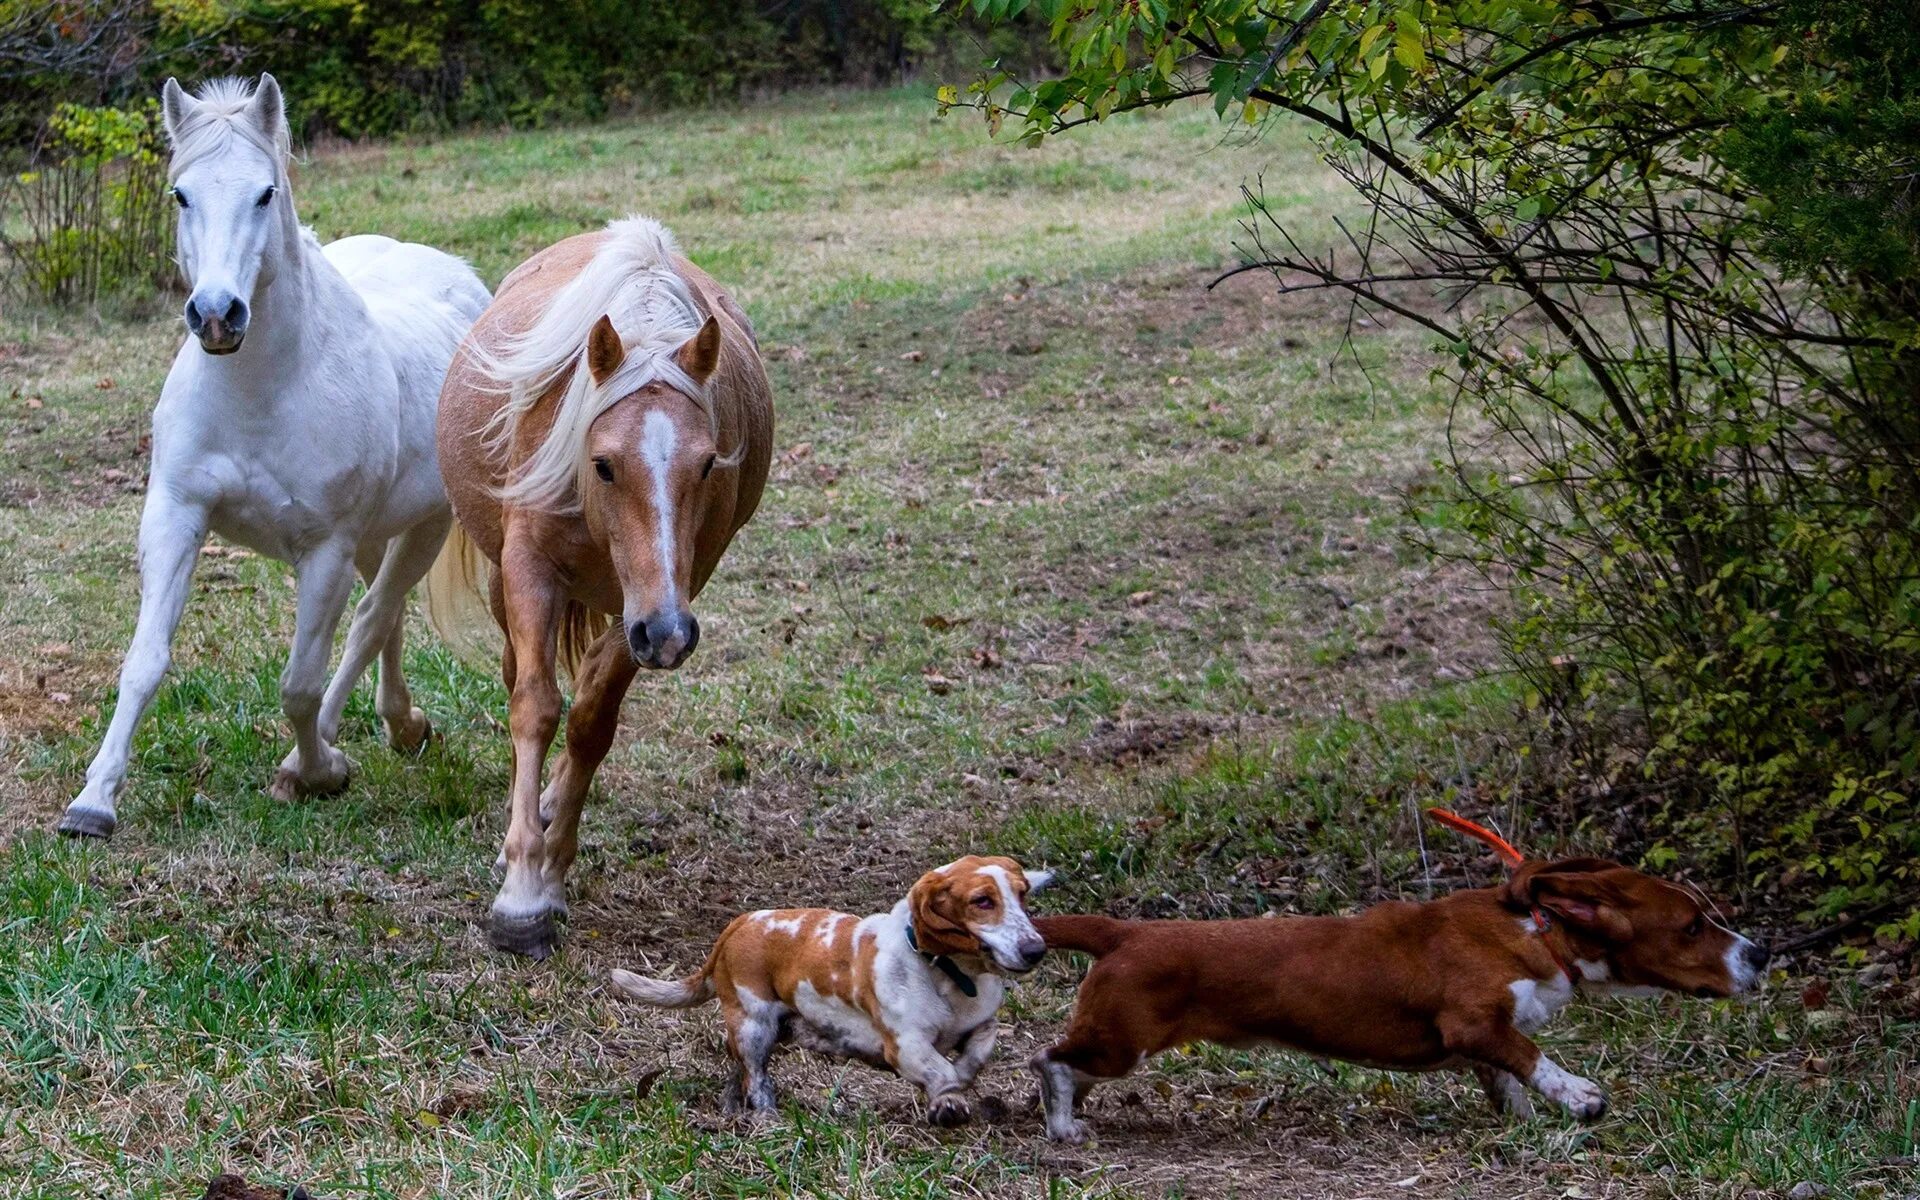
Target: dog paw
{"type": "Point", "coordinates": [1584, 1099]}
{"type": "Point", "coordinates": [948, 1111]}
{"type": "Point", "coordinates": [1073, 1133]}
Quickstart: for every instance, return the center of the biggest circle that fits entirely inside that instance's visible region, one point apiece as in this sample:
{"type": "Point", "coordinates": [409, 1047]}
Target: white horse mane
{"type": "Point", "coordinates": [221, 114]}
{"type": "Point", "coordinates": [632, 281]}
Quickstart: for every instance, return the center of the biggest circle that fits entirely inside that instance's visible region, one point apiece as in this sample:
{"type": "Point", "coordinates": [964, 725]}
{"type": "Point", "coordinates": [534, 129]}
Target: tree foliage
{"type": "Point", "coordinates": [361, 67]}
{"type": "Point", "coordinates": [1671, 253]}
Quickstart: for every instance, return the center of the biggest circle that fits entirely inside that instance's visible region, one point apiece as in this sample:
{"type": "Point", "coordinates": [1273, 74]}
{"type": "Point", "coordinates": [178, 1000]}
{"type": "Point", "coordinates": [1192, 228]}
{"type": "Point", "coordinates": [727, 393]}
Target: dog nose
{"type": "Point", "coordinates": [1031, 951]}
{"type": "Point", "coordinates": [218, 318]}
{"type": "Point", "coordinates": [1757, 956]}
{"type": "Point", "coordinates": [663, 640]}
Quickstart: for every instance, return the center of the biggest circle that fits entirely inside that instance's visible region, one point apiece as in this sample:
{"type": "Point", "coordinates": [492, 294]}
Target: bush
{"type": "Point", "coordinates": [360, 69]}
{"type": "Point", "coordinates": [90, 207]}
{"type": "Point", "coordinates": [1671, 254]}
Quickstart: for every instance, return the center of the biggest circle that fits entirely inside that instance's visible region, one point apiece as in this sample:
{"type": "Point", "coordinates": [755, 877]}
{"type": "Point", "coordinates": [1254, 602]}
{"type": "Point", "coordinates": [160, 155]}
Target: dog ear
{"type": "Point", "coordinates": [1574, 889]}
{"type": "Point", "coordinates": [936, 924]}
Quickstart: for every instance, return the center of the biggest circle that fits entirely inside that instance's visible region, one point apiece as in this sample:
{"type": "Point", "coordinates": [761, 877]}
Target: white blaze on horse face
{"type": "Point", "coordinates": [658, 440]}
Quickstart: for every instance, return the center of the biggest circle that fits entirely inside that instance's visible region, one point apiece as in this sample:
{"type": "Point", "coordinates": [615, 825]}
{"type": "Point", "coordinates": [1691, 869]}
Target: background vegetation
{"type": "Point", "coordinates": [1672, 258]}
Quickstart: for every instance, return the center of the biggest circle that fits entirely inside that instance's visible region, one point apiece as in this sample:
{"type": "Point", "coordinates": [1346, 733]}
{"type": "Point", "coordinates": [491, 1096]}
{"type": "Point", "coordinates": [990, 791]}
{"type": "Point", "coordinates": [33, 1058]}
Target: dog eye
{"type": "Point", "coordinates": [1697, 926]}
{"type": "Point", "coordinates": [179, 197]}
{"type": "Point", "coordinates": [265, 197]}
{"type": "Point", "coordinates": [603, 469]}
{"type": "Point", "coordinates": [983, 901]}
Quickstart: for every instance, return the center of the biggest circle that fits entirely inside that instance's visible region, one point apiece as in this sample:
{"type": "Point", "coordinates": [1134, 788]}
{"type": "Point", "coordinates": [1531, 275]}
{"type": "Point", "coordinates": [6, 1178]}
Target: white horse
{"type": "Point", "coordinates": [298, 420]}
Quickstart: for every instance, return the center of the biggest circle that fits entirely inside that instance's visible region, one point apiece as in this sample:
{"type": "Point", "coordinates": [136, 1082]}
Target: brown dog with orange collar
{"type": "Point", "coordinates": [1455, 982]}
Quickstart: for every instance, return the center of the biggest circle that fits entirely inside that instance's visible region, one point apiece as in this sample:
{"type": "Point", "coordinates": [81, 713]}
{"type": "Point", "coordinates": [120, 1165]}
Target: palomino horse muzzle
{"type": "Point", "coordinates": [664, 640]}
{"type": "Point", "coordinates": [218, 319]}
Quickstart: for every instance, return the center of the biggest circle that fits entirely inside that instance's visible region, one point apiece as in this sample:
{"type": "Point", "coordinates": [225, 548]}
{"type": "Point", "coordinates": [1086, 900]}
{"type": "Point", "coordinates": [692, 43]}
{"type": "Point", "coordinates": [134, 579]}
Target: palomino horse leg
{"type": "Point", "coordinates": [376, 625]}
{"type": "Point", "coordinates": [497, 600]}
{"type": "Point", "coordinates": [531, 894]}
{"type": "Point", "coordinates": [325, 576]}
{"type": "Point", "coordinates": [170, 538]}
{"type": "Point", "coordinates": [604, 676]}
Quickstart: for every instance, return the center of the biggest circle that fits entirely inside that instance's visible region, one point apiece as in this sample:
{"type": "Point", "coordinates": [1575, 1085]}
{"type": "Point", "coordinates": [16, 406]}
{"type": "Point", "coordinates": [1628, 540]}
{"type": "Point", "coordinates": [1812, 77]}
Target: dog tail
{"type": "Point", "coordinates": [696, 988]}
{"type": "Point", "coordinates": [1089, 934]}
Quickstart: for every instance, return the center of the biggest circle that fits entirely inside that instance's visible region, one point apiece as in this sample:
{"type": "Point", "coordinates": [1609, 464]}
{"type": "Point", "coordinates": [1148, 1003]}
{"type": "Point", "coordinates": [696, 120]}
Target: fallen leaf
{"type": "Point", "coordinates": [913, 356]}
{"type": "Point", "coordinates": [1139, 598]}
{"type": "Point", "coordinates": [936, 621]}
{"type": "Point", "coordinates": [937, 683]}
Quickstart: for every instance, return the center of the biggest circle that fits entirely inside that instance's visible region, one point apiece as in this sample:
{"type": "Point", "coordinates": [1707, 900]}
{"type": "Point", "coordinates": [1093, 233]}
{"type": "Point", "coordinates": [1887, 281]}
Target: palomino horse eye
{"type": "Point", "coordinates": [603, 469]}
{"type": "Point", "coordinates": [179, 197]}
{"type": "Point", "coordinates": [266, 197]}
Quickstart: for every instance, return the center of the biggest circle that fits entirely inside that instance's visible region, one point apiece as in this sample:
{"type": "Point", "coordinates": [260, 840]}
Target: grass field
{"type": "Point", "coordinates": [1064, 557]}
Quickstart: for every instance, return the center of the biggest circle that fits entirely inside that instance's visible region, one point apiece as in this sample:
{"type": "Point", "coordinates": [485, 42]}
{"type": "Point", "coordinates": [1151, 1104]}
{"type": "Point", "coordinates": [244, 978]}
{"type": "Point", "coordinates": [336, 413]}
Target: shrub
{"type": "Point", "coordinates": [90, 212]}
{"type": "Point", "coordinates": [1669, 255]}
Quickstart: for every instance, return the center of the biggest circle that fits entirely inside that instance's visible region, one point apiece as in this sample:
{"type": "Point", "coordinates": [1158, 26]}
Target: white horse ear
{"type": "Point", "coordinates": [701, 353]}
{"type": "Point", "coordinates": [175, 107]}
{"type": "Point", "coordinates": [1037, 880]}
{"type": "Point", "coordinates": [269, 108]}
{"type": "Point", "coordinates": [604, 351]}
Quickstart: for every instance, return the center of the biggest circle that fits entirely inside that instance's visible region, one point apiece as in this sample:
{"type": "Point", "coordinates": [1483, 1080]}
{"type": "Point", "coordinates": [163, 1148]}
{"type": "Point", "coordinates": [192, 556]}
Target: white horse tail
{"type": "Point", "coordinates": [461, 615]}
{"type": "Point", "coordinates": [457, 608]}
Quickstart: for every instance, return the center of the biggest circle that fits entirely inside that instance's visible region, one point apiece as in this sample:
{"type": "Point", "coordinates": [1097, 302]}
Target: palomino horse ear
{"type": "Point", "coordinates": [604, 351]}
{"type": "Point", "coordinates": [175, 107]}
{"type": "Point", "coordinates": [269, 107]}
{"type": "Point", "coordinates": [701, 353]}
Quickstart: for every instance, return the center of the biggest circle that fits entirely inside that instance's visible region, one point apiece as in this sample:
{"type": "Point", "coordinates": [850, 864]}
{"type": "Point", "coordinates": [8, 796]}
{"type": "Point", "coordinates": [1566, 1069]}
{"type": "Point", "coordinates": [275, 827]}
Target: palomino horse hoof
{"type": "Point", "coordinates": [287, 786]}
{"type": "Point", "coordinates": [87, 823]}
{"type": "Point", "coordinates": [414, 734]}
{"type": "Point", "coordinates": [529, 937]}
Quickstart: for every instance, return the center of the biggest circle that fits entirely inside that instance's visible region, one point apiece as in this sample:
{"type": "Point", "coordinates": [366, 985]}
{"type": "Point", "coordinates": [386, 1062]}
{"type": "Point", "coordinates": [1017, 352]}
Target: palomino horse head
{"type": "Point", "coordinates": [652, 452]}
{"type": "Point", "coordinates": [229, 176]}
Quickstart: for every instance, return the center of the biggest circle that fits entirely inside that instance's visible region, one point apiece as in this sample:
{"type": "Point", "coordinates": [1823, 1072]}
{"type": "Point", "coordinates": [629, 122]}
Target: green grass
{"type": "Point", "coordinates": [1153, 538]}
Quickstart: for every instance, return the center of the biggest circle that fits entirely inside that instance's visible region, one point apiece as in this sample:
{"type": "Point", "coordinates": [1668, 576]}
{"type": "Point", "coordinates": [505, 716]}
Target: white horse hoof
{"type": "Point", "coordinates": [79, 822]}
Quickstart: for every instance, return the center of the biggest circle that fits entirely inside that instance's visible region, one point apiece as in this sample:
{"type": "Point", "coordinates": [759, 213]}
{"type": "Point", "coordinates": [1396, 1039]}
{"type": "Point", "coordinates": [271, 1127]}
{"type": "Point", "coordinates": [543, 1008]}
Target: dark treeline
{"type": "Point", "coordinates": [372, 67]}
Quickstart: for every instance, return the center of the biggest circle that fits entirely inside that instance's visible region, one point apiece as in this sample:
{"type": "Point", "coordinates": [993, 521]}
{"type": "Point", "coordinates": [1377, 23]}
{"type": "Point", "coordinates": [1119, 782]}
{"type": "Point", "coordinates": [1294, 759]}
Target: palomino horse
{"type": "Point", "coordinates": [297, 420]}
{"type": "Point", "coordinates": [611, 490]}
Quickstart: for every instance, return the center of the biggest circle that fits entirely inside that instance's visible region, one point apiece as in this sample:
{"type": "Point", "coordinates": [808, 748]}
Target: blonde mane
{"type": "Point", "coordinates": [209, 127]}
{"type": "Point", "coordinates": [631, 279]}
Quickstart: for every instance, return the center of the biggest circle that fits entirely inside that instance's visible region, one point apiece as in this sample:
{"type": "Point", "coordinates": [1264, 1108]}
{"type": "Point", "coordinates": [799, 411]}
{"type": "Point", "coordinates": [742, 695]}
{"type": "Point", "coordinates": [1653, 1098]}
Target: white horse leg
{"type": "Point", "coordinates": [170, 538]}
{"type": "Point", "coordinates": [376, 629]}
{"type": "Point", "coordinates": [325, 581]}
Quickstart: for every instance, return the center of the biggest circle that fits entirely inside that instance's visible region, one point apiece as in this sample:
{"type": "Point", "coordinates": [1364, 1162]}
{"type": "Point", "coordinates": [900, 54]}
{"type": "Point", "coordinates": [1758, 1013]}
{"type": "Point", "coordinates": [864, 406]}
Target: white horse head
{"type": "Point", "coordinates": [229, 176]}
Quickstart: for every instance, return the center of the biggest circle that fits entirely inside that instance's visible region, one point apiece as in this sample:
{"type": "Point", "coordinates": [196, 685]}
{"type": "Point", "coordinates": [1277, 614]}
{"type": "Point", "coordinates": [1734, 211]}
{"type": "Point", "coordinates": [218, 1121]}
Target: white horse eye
{"type": "Point", "coordinates": [265, 197]}
{"type": "Point", "coordinates": [179, 197]}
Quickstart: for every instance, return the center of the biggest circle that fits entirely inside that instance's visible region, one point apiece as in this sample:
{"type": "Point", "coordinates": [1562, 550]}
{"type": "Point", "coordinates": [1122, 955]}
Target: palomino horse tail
{"type": "Point", "coordinates": [461, 616]}
{"type": "Point", "coordinates": [580, 627]}
{"type": "Point", "coordinates": [457, 607]}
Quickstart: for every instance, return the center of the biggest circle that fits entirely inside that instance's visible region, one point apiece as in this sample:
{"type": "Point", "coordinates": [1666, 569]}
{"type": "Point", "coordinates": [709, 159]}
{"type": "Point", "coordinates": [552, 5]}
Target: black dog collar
{"type": "Point", "coordinates": [946, 966]}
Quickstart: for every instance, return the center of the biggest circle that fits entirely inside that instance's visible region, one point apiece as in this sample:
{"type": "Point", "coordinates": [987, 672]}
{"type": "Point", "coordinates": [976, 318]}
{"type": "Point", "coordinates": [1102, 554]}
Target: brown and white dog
{"type": "Point", "coordinates": [900, 990]}
{"type": "Point", "coordinates": [1455, 982]}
